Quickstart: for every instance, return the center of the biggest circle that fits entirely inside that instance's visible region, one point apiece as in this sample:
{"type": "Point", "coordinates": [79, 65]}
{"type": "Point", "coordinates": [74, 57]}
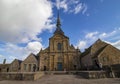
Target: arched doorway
{"type": "Point", "coordinates": [45, 68]}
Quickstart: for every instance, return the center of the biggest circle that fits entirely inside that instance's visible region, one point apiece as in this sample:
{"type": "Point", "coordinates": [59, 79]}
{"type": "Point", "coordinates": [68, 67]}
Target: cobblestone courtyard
{"type": "Point", "coordinates": [65, 79]}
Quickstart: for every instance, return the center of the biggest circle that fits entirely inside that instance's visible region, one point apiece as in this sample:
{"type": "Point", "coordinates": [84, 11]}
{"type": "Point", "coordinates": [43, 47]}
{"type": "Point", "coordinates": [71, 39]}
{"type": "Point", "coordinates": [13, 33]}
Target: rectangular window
{"type": "Point", "coordinates": [30, 66]}
{"type": "Point", "coordinates": [59, 46]}
{"type": "Point", "coordinates": [25, 67]}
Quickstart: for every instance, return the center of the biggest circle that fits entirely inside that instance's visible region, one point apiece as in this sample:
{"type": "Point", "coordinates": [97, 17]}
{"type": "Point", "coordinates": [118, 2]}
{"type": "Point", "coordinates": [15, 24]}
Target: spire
{"type": "Point", "coordinates": [58, 25]}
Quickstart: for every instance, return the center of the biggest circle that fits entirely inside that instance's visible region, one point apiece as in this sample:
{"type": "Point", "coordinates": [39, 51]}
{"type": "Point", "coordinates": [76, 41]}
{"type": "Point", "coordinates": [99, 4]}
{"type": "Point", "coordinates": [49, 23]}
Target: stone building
{"type": "Point", "coordinates": [100, 54]}
{"type": "Point", "coordinates": [30, 64]}
{"type": "Point", "coordinates": [15, 65]}
{"type": "Point", "coordinates": [4, 67]}
{"type": "Point", "coordinates": [59, 55]}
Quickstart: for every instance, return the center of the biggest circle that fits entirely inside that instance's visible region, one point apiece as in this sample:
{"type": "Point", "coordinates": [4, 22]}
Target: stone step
{"type": "Point", "coordinates": [60, 72]}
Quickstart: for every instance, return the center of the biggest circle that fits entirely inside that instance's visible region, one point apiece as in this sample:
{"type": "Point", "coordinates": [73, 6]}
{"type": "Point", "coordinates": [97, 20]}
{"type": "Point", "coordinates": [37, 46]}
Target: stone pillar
{"type": "Point", "coordinates": [68, 67]}
{"type": "Point", "coordinates": [65, 62]}
{"type": "Point", "coordinates": [51, 62]}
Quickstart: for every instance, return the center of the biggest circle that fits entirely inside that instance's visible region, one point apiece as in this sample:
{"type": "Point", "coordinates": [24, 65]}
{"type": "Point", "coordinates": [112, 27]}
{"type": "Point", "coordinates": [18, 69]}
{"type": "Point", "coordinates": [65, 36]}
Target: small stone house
{"type": "Point", "coordinates": [30, 64]}
{"type": "Point", "coordinates": [15, 65]}
{"type": "Point", "coordinates": [100, 54]}
{"type": "Point", "coordinates": [4, 67]}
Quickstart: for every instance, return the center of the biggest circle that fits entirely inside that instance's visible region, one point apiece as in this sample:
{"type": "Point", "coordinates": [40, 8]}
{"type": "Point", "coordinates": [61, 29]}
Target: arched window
{"type": "Point", "coordinates": [59, 46]}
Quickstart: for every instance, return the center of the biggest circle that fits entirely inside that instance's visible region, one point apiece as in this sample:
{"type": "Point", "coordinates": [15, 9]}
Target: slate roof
{"type": "Point", "coordinates": [88, 50]}
{"type": "Point", "coordinates": [99, 51]}
{"type": "Point", "coordinates": [37, 57]}
{"type": "Point", "coordinates": [20, 61]}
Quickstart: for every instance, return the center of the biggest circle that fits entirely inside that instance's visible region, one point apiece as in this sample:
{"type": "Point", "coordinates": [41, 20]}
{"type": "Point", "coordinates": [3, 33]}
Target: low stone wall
{"type": "Point", "coordinates": [60, 72]}
{"type": "Point", "coordinates": [20, 76]}
{"type": "Point", "coordinates": [93, 74]}
{"type": "Point", "coordinates": [116, 74]}
{"type": "Point", "coordinates": [38, 75]}
{"type": "Point", "coordinates": [86, 74]}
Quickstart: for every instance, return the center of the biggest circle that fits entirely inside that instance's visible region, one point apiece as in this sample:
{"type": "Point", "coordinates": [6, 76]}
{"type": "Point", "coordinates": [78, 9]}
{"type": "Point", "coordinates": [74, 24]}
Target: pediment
{"type": "Point", "coordinates": [30, 58]}
{"type": "Point", "coordinates": [59, 36]}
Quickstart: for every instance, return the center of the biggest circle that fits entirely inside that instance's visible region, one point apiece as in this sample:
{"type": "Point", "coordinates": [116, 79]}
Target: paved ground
{"type": "Point", "coordinates": [65, 79]}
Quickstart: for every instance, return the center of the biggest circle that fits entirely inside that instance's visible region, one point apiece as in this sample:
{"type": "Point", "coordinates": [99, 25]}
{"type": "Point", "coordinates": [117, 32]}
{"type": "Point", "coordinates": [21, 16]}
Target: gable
{"type": "Point", "coordinates": [95, 49]}
{"type": "Point", "coordinates": [30, 59]}
{"type": "Point", "coordinates": [15, 62]}
{"type": "Point", "coordinates": [59, 36]}
{"type": "Point", "coordinates": [112, 51]}
{"type": "Point", "coordinates": [111, 54]}
{"type": "Point", "coordinates": [98, 52]}
{"type": "Point", "coordinates": [97, 46]}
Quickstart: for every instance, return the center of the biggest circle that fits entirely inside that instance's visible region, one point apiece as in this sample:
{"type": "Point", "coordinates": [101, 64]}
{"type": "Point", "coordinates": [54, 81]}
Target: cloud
{"type": "Point", "coordinates": [71, 6]}
{"type": "Point", "coordinates": [109, 37]}
{"type": "Point", "coordinates": [34, 47]}
{"type": "Point", "coordinates": [82, 44]}
{"type": "Point", "coordinates": [21, 21]}
{"type": "Point", "coordinates": [13, 51]}
{"type": "Point", "coordinates": [78, 8]}
{"type": "Point", "coordinates": [62, 4]}
{"type": "Point", "coordinates": [115, 44]}
{"type": "Point", "coordinates": [84, 9]}
{"type": "Point", "coordinates": [1, 56]}
{"type": "Point", "coordinates": [91, 35]}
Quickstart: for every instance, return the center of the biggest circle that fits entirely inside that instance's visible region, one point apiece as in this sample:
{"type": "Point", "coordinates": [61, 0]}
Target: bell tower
{"type": "Point", "coordinates": [58, 26]}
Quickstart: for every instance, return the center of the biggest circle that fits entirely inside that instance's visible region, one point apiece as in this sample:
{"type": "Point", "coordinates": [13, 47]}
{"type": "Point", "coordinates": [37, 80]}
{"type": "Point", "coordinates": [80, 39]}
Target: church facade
{"type": "Point", "coordinates": [59, 55]}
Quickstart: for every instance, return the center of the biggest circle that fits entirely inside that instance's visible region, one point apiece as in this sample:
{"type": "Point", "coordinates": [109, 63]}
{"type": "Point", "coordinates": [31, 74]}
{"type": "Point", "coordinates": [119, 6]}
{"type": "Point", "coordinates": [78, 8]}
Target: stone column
{"type": "Point", "coordinates": [68, 63]}
{"type": "Point", "coordinates": [53, 63]}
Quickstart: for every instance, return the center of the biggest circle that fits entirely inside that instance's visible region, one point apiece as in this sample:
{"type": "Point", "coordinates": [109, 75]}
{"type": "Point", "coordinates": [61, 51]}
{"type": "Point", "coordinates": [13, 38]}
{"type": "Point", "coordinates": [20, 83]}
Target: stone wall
{"type": "Point", "coordinates": [4, 67]}
{"type": "Point", "coordinates": [21, 76]}
{"type": "Point", "coordinates": [95, 74]}
{"type": "Point", "coordinates": [28, 64]}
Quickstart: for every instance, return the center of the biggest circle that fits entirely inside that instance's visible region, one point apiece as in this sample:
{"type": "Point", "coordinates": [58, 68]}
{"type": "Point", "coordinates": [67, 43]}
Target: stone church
{"type": "Point", "coordinates": [59, 55]}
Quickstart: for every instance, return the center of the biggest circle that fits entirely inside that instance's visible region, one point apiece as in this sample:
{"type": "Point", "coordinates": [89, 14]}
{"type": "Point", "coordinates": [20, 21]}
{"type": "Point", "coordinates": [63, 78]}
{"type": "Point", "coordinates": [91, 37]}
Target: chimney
{"type": "Point", "coordinates": [4, 61]}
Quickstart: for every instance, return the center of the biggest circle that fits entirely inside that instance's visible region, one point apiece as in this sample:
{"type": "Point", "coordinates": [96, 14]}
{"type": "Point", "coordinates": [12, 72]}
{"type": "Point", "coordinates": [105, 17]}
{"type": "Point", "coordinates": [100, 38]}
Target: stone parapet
{"type": "Point", "coordinates": [20, 75]}
{"type": "Point", "coordinates": [97, 74]}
